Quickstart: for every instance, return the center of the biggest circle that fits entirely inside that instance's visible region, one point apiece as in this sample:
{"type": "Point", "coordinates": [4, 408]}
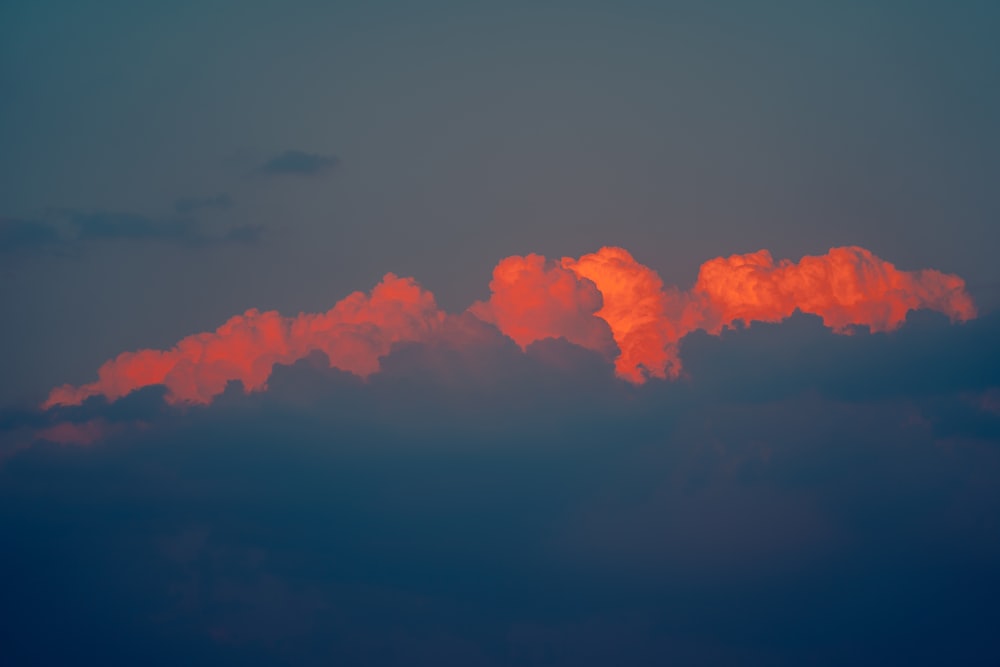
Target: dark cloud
{"type": "Point", "coordinates": [495, 507]}
{"type": "Point", "coordinates": [299, 163]}
{"type": "Point", "coordinates": [104, 226]}
{"type": "Point", "coordinates": [927, 356]}
{"type": "Point", "coordinates": [69, 231]}
{"type": "Point", "coordinates": [108, 225]}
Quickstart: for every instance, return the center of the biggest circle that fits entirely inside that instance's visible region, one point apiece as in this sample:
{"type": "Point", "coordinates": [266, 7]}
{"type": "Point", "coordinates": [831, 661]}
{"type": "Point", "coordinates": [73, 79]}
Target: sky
{"type": "Point", "coordinates": [524, 333]}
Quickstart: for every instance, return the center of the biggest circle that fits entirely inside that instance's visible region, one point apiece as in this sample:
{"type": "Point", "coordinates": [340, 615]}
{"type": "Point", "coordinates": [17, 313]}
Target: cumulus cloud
{"type": "Point", "coordinates": [533, 299]}
{"type": "Point", "coordinates": [646, 318]}
{"type": "Point", "coordinates": [846, 287]}
{"type": "Point", "coordinates": [353, 334]}
{"type": "Point", "coordinates": [605, 302]}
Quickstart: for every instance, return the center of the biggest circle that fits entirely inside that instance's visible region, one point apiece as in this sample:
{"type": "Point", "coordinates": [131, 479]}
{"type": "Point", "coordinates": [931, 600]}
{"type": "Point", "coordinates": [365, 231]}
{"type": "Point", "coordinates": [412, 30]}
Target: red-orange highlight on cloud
{"type": "Point", "coordinates": [605, 301]}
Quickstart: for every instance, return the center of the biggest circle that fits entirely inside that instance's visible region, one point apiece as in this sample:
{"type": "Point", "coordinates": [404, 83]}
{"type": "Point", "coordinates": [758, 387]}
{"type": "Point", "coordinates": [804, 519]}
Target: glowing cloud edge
{"type": "Point", "coordinates": [604, 301]}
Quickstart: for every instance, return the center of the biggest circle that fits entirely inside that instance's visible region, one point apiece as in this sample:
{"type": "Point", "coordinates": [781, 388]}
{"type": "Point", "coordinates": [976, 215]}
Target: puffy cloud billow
{"type": "Point", "coordinates": [506, 486]}
{"type": "Point", "coordinates": [606, 302]}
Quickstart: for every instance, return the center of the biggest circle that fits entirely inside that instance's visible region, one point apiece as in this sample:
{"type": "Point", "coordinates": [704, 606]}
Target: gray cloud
{"type": "Point", "coordinates": [927, 356]}
{"type": "Point", "coordinates": [110, 225]}
{"type": "Point", "coordinates": [69, 231]}
{"type": "Point", "coordinates": [492, 507]}
{"type": "Point", "coordinates": [181, 230]}
{"type": "Point", "coordinates": [299, 163]}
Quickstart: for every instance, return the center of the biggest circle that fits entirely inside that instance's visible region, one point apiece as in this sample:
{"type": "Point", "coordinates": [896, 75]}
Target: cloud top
{"type": "Point", "coordinates": [606, 302]}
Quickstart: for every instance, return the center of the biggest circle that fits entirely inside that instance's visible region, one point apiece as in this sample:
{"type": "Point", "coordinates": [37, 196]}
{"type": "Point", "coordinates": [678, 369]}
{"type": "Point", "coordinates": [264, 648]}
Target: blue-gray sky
{"type": "Point", "coordinates": [797, 496]}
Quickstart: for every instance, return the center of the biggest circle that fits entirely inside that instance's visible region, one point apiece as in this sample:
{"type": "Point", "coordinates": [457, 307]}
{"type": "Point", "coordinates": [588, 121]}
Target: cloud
{"type": "Point", "coordinates": [846, 287]}
{"type": "Point", "coordinates": [298, 163]}
{"type": "Point", "coordinates": [533, 299]}
{"type": "Point", "coordinates": [646, 318]}
{"type": "Point", "coordinates": [354, 334]}
{"type": "Point", "coordinates": [605, 302]}
{"type": "Point", "coordinates": [109, 226]}
{"type": "Point", "coordinates": [70, 231]}
{"type": "Point", "coordinates": [74, 433]}
{"type": "Point", "coordinates": [923, 358]}
{"type": "Point", "coordinates": [484, 504]}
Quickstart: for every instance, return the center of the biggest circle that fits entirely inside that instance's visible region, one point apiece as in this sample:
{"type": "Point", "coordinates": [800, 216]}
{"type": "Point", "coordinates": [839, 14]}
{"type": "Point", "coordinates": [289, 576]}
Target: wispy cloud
{"type": "Point", "coordinates": [69, 231]}
{"type": "Point", "coordinates": [179, 230]}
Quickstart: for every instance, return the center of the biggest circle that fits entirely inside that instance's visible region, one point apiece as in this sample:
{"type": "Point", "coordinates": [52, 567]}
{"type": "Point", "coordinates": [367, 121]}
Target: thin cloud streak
{"type": "Point", "coordinates": [70, 231]}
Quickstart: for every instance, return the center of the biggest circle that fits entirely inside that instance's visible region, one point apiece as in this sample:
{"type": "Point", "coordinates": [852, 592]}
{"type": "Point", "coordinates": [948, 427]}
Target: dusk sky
{"type": "Point", "coordinates": [521, 333]}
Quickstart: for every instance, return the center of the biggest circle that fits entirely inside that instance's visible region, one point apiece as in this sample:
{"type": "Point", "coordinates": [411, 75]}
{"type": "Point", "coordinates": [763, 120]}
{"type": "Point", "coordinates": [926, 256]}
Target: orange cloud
{"type": "Point", "coordinates": [846, 287]}
{"type": "Point", "coordinates": [533, 298]}
{"type": "Point", "coordinates": [604, 301]}
{"type": "Point", "coordinates": [646, 319]}
{"type": "Point", "coordinates": [353, 334]}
